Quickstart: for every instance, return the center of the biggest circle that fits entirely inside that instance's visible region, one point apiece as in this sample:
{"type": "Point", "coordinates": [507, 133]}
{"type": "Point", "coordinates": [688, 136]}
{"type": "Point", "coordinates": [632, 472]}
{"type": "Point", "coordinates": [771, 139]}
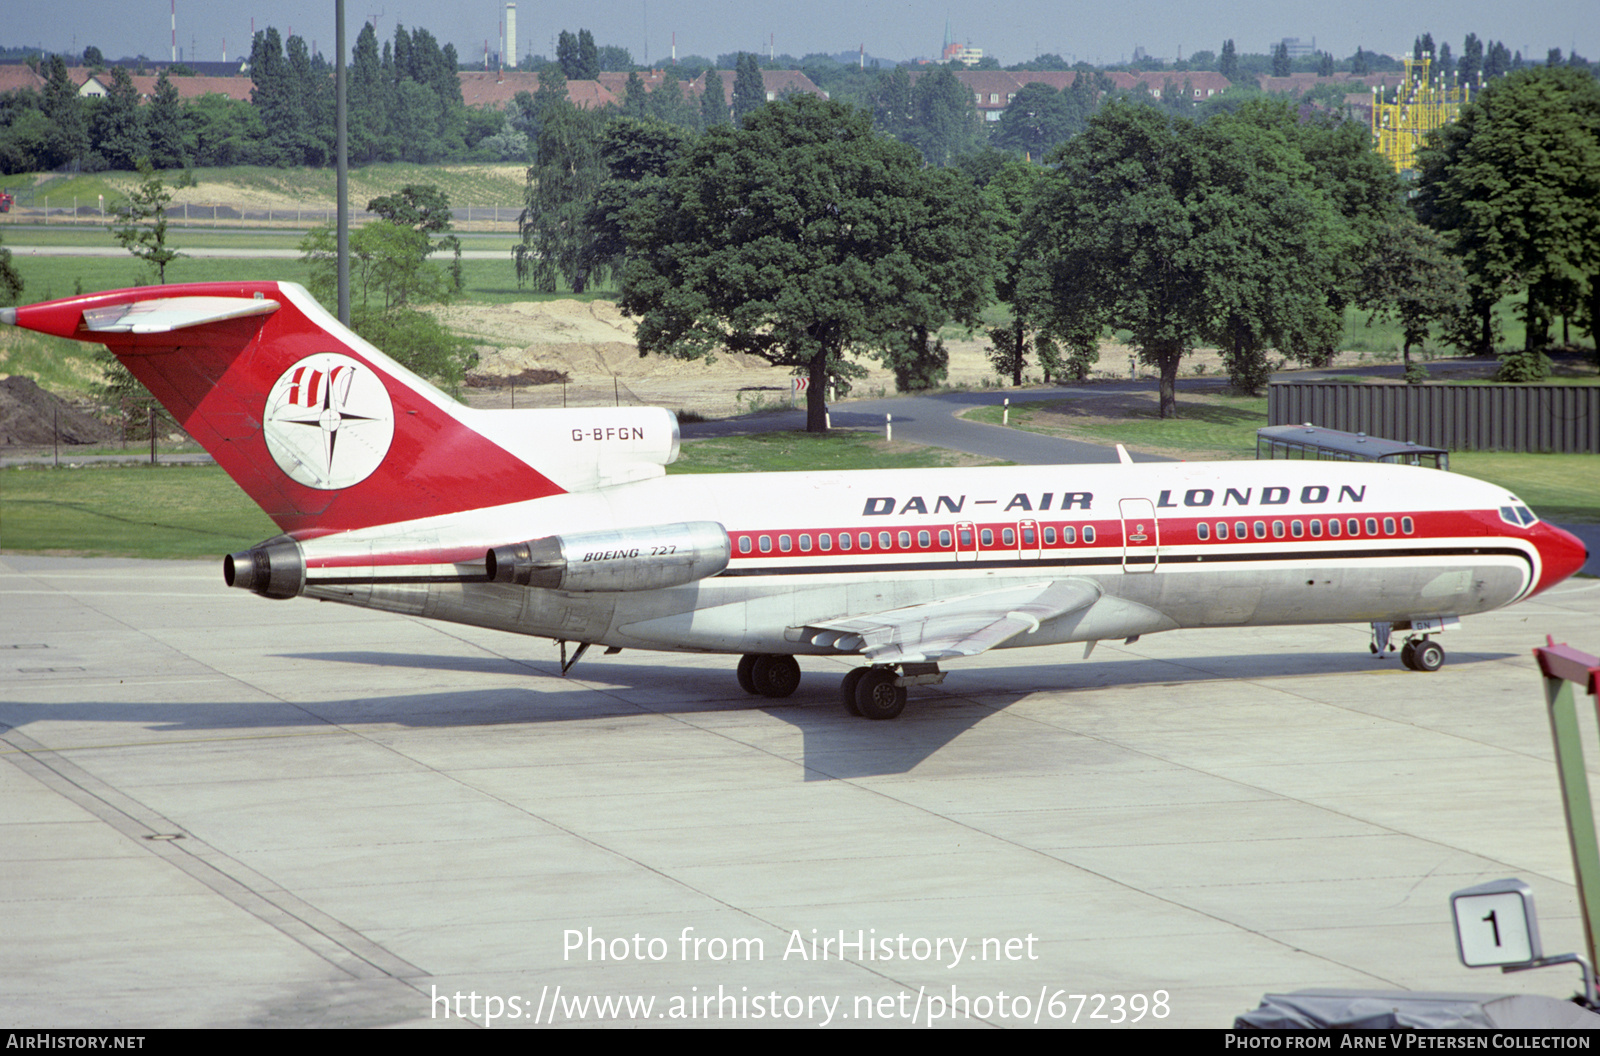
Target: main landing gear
{"type": "Point", "coordinates": [1420, 652]}
{"type": "Point", "coordinates": [871, 692]}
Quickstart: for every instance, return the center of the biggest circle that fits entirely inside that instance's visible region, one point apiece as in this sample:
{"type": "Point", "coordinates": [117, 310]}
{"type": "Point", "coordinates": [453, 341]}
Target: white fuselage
{"type": "Point", "coordinates": [1170, 545]}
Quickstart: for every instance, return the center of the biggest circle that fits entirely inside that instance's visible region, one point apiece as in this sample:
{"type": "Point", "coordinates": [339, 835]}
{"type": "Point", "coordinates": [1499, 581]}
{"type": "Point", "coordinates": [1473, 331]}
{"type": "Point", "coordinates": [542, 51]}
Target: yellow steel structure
{"type": "Point", "coordinates": [1420, 106]}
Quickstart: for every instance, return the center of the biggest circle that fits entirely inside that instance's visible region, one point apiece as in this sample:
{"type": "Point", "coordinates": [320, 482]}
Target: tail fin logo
{"type": "Point", "coordinates": [328, 422]}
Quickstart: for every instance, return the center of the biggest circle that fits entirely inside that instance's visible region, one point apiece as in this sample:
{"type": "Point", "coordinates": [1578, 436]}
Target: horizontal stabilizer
{"type": "Point", "coordinates": [166, 314]}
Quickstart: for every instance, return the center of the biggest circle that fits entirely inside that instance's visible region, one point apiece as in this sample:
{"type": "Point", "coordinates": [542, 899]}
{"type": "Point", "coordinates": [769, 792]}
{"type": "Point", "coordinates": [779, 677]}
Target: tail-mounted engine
{"type": "Point", "coordinates": [273, 569]}
{"type": "Point", "coordinates": [651, 558]}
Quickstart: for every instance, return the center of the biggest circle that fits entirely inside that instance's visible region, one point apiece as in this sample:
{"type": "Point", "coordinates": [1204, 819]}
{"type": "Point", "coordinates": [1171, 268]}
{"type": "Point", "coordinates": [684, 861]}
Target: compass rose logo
{"type": "Point", "coordinates": [328, 421]}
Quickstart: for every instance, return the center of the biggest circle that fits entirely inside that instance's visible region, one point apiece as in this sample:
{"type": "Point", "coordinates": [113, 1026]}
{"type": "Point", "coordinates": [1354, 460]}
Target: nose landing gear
{"type": "Point", "coordinates": [1419, 652]}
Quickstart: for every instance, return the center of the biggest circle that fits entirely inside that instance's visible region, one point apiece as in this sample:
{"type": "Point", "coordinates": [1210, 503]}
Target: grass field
{"type": "Point", "coordinates": [167, 511]}
{"type": "Point", "coordinates": [790, 452]}
{"type": "Point", "coordinates": [128, 511]}
{"type": "Point", "coordinates": [475, 184]}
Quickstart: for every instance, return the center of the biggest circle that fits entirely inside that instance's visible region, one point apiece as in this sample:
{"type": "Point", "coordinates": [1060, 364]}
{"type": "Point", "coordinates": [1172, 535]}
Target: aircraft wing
{"type": "Point", "coordinates": [962, 626]}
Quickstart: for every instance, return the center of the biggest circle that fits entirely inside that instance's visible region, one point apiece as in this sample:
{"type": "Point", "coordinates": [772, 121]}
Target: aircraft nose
{"type": "Point", "coordinates": [1561, 553]}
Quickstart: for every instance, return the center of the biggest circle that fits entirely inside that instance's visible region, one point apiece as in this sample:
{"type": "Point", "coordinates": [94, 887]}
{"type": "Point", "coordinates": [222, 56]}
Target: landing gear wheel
{"type": "Point", "coordinates": [847, 689]}
{"type": "Point", "coordinates": [877, 696]}
{"type": "Point", "coordinates": [747, 664]}
{"type": "Point", "coordinates": [775, 675]}
{"type": "Point", "coordinates": [1408, 655]}
{"type": "Point", "coordinates": [1427, 656]}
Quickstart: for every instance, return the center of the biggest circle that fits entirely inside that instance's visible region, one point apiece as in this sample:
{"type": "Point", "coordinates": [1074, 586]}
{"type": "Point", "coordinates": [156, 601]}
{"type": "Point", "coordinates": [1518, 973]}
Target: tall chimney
{"type": "Point", "coordinates": [510, 50]}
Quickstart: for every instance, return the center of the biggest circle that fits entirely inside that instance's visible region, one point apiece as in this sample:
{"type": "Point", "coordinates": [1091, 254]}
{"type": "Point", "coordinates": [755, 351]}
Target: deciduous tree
{"type": "Point", "coordinates": [141, 224]}
{"type": "Point", "coordinates": [1180, 235]}
{"type": "Point", "coordinates": [803, 238]}
{"type": "Point", "coordinates": [557, 241]}
{"type": "Point", "coordinates": [1515, 187]}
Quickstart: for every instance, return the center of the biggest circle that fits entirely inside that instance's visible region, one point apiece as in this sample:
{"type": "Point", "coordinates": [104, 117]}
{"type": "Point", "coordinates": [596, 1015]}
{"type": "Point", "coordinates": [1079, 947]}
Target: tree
{"type": "Point", "coordinates": [1411, 279]}
{"type": "Point", "coordinates": [391, 274]}
{"type": "Point", "coordinates": [893, 112]}
{"type": "Point", "coordinates": [141, 224]}
{"type": "Point", "coordinates": [68, 136]}
{"type": "Point", "coordinates": [1228, 65]}
{"type": "Point", "coordinates": [164, 126]}
{"type": "Point", "coordinates": [1179, 235]}
{"type": "Point", "coordinates": [1281, 67]}
{"type": "Point", "coordinates": [749, 90]}
{"type": "Point", "coordinates": [1515, 187]}
{"type": "Point", "coordinates": [426, 209]}
{"type": "Point", "coordinates": [557, 241]}
{"type": "Point", "coordinates": [782, 238]}
{"type": "Point", "coordinates": [1469, 70]}
{"type": "Point", "coordinates": [637, 156]}
{"type": "Point", "coordinates": [713, 102]}
{"type": "Point", "coordinates": [588, 57]}
{"type": "Point", "coordinates": [947, 123]}
{"type": "Point", "coordinates": [567, 56]}
{"type": "Point", "coordinates": [10, 281]}
{"type": "Point", "coordinates": [116, 127]}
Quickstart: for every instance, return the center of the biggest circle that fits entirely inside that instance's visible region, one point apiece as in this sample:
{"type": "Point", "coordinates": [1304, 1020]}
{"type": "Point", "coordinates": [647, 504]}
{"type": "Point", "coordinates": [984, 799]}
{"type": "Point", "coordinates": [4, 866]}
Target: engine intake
{"type": "Point", "coordinates": [273, 569]}
{"type": "Point", "coordinates": [623, 559]}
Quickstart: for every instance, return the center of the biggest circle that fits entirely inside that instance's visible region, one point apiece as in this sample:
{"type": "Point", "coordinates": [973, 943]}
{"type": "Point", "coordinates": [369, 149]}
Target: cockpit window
{"type": "Point", "coordinates": [1518, 515]}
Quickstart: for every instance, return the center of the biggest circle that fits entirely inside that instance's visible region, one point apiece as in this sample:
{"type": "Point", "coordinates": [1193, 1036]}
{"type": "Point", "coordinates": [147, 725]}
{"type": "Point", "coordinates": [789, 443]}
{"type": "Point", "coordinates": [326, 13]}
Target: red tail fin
{"type": "Point", "coordinates": [323, 431]}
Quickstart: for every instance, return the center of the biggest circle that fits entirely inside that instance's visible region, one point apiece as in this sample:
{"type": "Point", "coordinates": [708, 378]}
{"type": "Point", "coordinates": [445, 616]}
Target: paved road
{"type": "Point", "coordinates": [935, 421]}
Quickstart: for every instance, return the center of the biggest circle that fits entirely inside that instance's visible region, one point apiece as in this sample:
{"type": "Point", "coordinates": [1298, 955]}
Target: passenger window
{"type": "Point", "coordinates": [865, 539]}
{"type": "Point", "coordinates": [1297, 529]}
{"type": "Point", "coordinates": [1088, 533]}
{"type": "Point", "coordinates": [744, 544]}
{"type": "Point", "coordinates": [785, 544]}
{"type": "Point", "coordinates": [1333, 527]}
{"type": "Point", "coordinates": [1388, 526]}
{"type": "Point", "coordinates": [1277, 529]}
{"type": "Point", "coordinates": [1203, 530]}
{"type": "Point", "coordinates": [944, 538]}
{"type": "Point", "coordinates": [844, 540]}
{"type": "Point", "coordinates": [1008, 537]}
{"type": "Point", "coordinates": [1372, 526]}
{"type": "Point", "coordinates": [1261, 529]}
{"type": "Point", "coordinates": [1316, 529]}
{"type": "Point", "coordinates": [1222, 529]}
{"type": "Point", "coordinates": [1030, 537]}
{"type": "Point", "coordinates": [1049, 537]}
{"type": "Point", "coordinates": [805, 544]}
{"type": "Point", "coordinates": [1070, 536]}
{"type": "Point", "coordinates": [1241, 530]}
{"type": "Point", "coordinates": [1406, 526]}
{"type": "Point", "coordinates": [766, 544]}
{"type": "Point", "coordinates": [987, 536]}
{"type": "Point", "coordinates": [825, 541]}
{"type": "Point", "coordinates": [905, 540]}
{"type": "Point", "coordinates": [924, 540]}
{"type": "Point", "coordinates": [1352, 527]}
{"type": "Point", "coordinates": [966, 538]}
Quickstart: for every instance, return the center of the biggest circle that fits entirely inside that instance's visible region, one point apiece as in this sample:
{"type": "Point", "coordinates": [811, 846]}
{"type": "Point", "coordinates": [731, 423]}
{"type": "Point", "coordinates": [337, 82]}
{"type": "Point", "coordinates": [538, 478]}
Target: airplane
{"type": "Point", "coordinates": [563, 524]}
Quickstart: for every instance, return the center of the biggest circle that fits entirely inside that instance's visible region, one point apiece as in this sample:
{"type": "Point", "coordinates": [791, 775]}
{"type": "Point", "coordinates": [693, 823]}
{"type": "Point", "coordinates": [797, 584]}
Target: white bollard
{"type": "Point", "coordinates": [888, 427]}
{"type": "Point", "coordinates": [1005, 415]}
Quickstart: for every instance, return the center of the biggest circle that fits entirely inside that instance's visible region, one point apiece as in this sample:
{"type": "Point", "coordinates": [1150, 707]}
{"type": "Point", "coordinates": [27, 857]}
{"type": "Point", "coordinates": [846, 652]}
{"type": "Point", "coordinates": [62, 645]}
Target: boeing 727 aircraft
{"type": "Point", "coordinates": [391, 495]}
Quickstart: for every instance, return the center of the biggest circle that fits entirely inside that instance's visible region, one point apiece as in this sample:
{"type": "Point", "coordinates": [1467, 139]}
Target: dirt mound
{"type": "Point", "coordinates": [32, 417]}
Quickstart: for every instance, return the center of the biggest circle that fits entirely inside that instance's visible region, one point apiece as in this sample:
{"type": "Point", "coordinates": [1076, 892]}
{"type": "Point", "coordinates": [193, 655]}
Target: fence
{"type": "Point", "coordinates": [1561, 418]}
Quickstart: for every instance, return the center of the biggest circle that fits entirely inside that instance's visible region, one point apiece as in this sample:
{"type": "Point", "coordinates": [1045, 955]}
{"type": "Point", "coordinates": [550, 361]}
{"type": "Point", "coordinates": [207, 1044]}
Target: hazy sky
{"type": "Point", "coordinates": [893, 29]}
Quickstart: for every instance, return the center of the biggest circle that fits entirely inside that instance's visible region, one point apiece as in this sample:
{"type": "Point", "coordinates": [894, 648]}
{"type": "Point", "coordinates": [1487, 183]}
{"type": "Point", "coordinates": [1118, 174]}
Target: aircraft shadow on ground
{"type": "Point", "coordinates": [835, 745]}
